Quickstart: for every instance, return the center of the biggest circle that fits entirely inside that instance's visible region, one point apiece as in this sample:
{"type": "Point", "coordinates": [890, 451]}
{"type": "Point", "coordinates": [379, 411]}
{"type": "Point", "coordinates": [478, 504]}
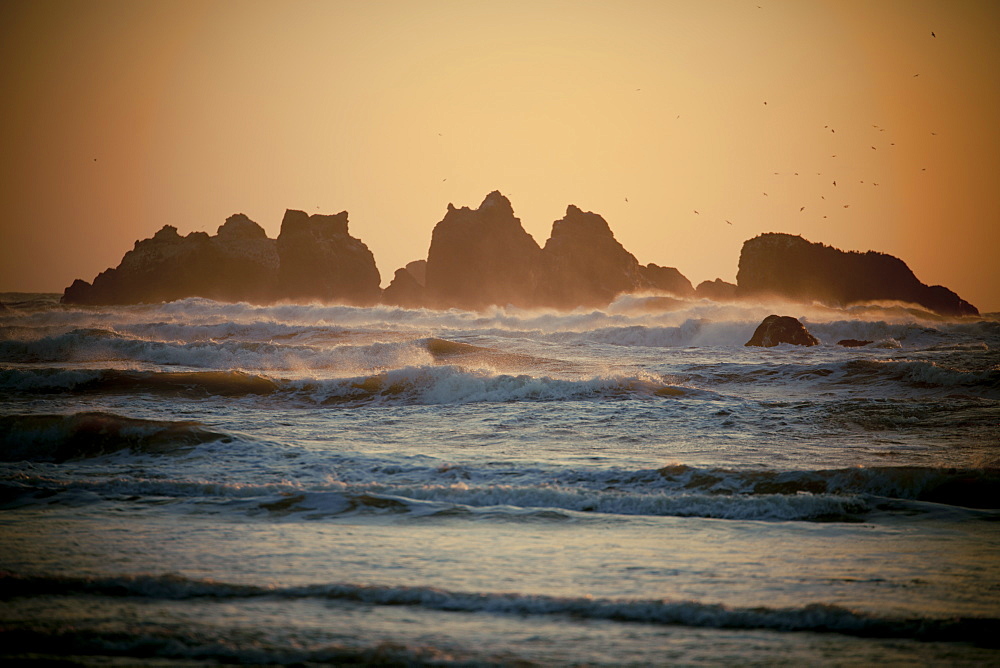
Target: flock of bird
{"type": "Point", "coordinates": [834, 181]}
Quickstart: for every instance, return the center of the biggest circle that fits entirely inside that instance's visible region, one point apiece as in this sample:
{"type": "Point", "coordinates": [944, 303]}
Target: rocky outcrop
{"type": "Point", "coordinates": [667, 279]}
{"type": "Point", "coordinates": [791, 267]}
{"type": "Point", "coordinates": [775, 329]}
{"type": "Point", "coordinates": [584, 265]}
{"type": "Point", "coordinates": [319, 260]}
{"type": "Point", "coordinates": [716, 291]}
{"type": "Point", "coordinates": [316, 260]}
{"type": "Point", "coordinates": [404, 290]}
{"type": "Point", "coordinates": [481, 257]}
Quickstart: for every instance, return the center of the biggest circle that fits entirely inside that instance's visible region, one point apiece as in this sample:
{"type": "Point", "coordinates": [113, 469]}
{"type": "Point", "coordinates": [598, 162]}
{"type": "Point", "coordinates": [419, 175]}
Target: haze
{"type": "Point", "coordinates": [667, 118]}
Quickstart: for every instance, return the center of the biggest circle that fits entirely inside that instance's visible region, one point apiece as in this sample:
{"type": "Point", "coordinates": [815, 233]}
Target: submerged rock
{"type": "Point", "coordinates": [775, 329]}
{"type": "Point", "coordinates": [853, 343]}
{"type": "Point", "coordinates": [788, 266]}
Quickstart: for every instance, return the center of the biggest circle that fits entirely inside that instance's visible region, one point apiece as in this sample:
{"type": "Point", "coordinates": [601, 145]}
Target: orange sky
{"type": "Point", "coordinates": [126, 116]}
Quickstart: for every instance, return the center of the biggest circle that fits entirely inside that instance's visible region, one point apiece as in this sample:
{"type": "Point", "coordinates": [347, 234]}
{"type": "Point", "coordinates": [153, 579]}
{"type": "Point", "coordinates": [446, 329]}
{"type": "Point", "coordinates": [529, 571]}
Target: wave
{"type": "Point", "coordinates": [58, 438]}
{"type": "Point", "coordinates": [422, 385]}
{"type": "Point", "coordinates": [521, 495]}
{"type": "Point", "coordinates": [817, 618]}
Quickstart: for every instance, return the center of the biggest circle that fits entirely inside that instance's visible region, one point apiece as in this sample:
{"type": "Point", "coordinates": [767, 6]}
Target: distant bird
{"type": "Point", "coordinates": [874, 184]}
{"type": "Point", "coordinates": [834, 183]}
{"type": "Point", "coordinates": [802, 208]}
{"type": "Point", "coordinates": [874, 149]}
{"type": "Point", "coordinates": [916, 75]}
{"type": "Point", "coordinates": [796, 173]}
{"type": "Point", "coordinates": [834, 155]}
{"type": "Point", "coordinates": [822, 196]}
{"type": "Point", "coordinates": [95, 159]}
{"type": "Point", "coordinates": [765, 194]}
{"type": "Point", "coordinates": [932, 34]}
{"type": "Point", "coordinates": [832, 130]}
{"type": "Point", "coordinates": [626, 199]}
{"type": "Point", "coordinates": [846, 205]}
{"type": "Point", "coordinates": [934, 134]}
{"type": "Point", "coordinates": [728, 222]}
{"type": "Point", "coordinates": [765, 103]}
{"type": "Point", "coordinates": [695, 210]}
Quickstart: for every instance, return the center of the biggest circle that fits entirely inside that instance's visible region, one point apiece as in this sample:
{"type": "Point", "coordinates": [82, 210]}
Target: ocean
{"type": "Point", "coordinates": [195, 483]}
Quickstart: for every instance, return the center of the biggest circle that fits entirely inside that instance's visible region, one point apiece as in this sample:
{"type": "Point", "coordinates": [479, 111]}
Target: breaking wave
{"type": "Point", "coordinates": [817, 618]}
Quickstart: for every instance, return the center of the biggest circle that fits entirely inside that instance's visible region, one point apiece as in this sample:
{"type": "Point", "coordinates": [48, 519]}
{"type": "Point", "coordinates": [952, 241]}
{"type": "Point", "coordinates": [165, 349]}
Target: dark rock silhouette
{"type": "Point", "coordinates": [853, 343]}
{"type": "Point", "coordinates": [319, 260]}
{"type": "Point", "coordinates": [667, 279]}
{"type": "Point", "coordinates": [716, 291]}
{"type": "Point", "coordinates": [316, 260]}
{"type": "Point", "coordinates": [404, 290]}
{"type": "Point", "coordinates": [481, 257]}
{"type": "Point", "coordinates": [789, 266]}
{"type": "Point", "coordinates": [584, 265]}
{"type": "Point", "coordinates": [775, 329]}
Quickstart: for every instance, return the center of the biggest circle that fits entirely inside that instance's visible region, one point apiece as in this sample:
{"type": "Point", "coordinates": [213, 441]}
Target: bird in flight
{"type": "Point", "coordinates": [802, 208]}
{"type": "Point", "coordinates": [932, 34]}
{"type": "Point", "coordinates": [695, 210]}
{"type": "Point", "coordinates": [728, 222]}
{"type": "Point", "coordinates": [834, 183]}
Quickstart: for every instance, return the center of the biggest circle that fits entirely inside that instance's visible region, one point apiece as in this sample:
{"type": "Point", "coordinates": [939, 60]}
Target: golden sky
{"type": "Point", "coordinates": [124, 116]}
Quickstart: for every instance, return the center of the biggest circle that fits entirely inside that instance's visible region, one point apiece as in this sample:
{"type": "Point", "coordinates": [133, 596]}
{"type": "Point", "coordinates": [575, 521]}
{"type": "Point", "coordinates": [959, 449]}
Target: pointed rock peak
{"type": "Point", "coordinates": [167, 233]}
{"type": "Point", "coordinates": [496, 199]}
{"type": "Point", "coordinates": [239, 226]}
{"type": "Point", "coordinates": [451, 207]}
{"type": "Point", "coordinates": [576, 221]}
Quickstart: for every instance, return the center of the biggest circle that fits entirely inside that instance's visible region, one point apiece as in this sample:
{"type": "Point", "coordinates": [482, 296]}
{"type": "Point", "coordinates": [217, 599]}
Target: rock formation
{"type": "Point", "coordinates": [716, 291]}
{"type": "Point", "coordinates": [481, 257]}
{"type": "Point", "coordinates": [317, 259]}
{"type": "Point", "coordinates": [667, 279]}
{"type": "Point", "coordinates": [789, 266]}
{"type": "Point", "coordinates": [584, 265]}
{"type": "Point", "coordinates": [775, 329]}
{"type": "Point", "coordinates": [404, 290]}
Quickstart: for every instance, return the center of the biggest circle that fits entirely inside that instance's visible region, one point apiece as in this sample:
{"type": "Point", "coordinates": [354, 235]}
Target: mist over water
{"type": "Point", "coordinates": [631, 484]}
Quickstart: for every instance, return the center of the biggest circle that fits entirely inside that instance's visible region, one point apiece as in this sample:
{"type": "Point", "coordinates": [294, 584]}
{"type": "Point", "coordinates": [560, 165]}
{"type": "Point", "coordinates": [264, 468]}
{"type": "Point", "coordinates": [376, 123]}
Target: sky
{"type": "Point", "coordinates": [690, 126]}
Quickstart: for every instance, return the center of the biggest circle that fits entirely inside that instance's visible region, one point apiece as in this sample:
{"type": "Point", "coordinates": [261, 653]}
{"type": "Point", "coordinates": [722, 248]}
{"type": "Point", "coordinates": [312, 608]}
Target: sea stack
{"type": "Point", "coordinates": [481, 257]}
{"type": "Point", "coordinates": [788, 266]}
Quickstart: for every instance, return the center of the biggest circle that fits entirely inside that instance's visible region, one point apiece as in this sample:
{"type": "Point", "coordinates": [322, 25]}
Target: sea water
{"type": "Point", "coordinates": [198, 482]}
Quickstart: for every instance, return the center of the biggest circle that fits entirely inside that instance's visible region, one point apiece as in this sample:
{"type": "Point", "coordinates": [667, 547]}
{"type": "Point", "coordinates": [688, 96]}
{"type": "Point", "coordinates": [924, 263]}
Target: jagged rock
{"type": "Point", "coordinates": [667, 279]}
{"type": "Point", "coordinates": [789, 266]}
{"type": "Point", "coordinates": [716, 291]}
{"type": "Point", "coordinates": [319, 260]}
{"type": "Point", "coordinates": [853, 343]}
{"type": "Point", "coordinates": [481, 257]}
{"type": "Point", "coordinates": [584, 265]}
{"type": "Point", "coordinates": [168, 267]}
{"type": "Point", "coordinates": [404, 290]}
{"type": "Point", "coordinates": [775, 329]}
